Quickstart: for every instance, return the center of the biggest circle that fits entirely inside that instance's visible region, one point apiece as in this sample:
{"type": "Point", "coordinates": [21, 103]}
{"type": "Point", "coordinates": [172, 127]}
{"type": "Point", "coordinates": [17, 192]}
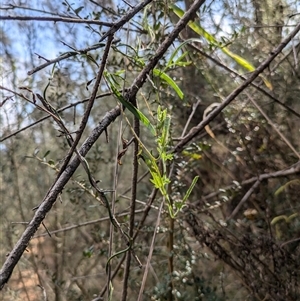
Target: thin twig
{"type": "Point", "coordinates": [149, 257]}
{"type": "Point", "coordinates": [195, 106]}
{"type": "Point", "coordinates": [113, 203]}
{"type": "Point", "coordinates": [71, 105]}
{"type": "Point", "coordinates": [97, 221]}
{"type": "Point", "coordinates": [294, 169]}
{"type": "Point", "coordinates": [56, 19]}
{"type": "Point", "coordinates": [110, 32]}
{"type": "Point", "coordinates": [290, 241]}
{"type": "Point", "coordinates": [139, 180]}
{"type": "Point", "coordinates": [244, 199]}
{"type": "Point", "coordinates": [273, 126]}
{"type": "Point", "coordinates": [284, 58]}
{"type": "Point", "coordinates": [260, 89]}
{"type": "Point", "coordinates": [44, 292]}
{"type": "Point", "coordinates": [31, 9]}
{"type": "Point", "coordinates": [197, 129]}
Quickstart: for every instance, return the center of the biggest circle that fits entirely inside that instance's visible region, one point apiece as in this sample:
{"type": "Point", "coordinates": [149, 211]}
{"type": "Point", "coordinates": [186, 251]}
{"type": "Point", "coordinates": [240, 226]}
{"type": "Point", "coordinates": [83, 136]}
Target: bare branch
{"type": "Point", "coordinates": [51, 197]}
{"type": "Point", "coordinates": [150, 253]}
{"type": "Point", "coordinates": [260, 89]}
{"type": "Point", "coordinates": [103, 219]}
{"type": "Point", "coordinates": [244, 199]}
{"type": "Point", "coordinates": [110, 32]}
{"type": "Point", "coordinates": [197, 129]}
{"type": "Point", "coordinates": [294, 169]}
{"type": "Point", "coordinates": [71, 105]}
{"type": "Point", "coordinates": [274, 126]}
{"type": "Point", "coordinates": [56, 19]}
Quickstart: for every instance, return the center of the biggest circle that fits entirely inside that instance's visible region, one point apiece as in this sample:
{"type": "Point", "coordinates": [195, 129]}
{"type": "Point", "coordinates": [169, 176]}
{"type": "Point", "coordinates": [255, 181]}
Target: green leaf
{"type": "Point", "coordinates": [213, 41]}
{"type": "Point", "coordinates": [51, 162]}
{"type": "Point", "coordinates": [178, 61]}
{"type": "Point", "coordinates": [89, 58]}
{"type": "Point", "coordinates": [238, 59]}
{"type": "Point", "coordinates": [286, 185]}
{"type": "Point", "coordinates": [157, 180]}
{"type": "Point", "coordinates": [169, 81]}
{"type": "Point", "coordinates": [192, 155]}
{"type": "Point", "coordinates": [46, 154]}
{"type": "Point", "coordinates": [285, 218]}
{"type": "Point", "coordinates": [190, 189]}
{"type": "Point", "coordinates": [163, 140]}
{"type": "Point", "coordinates": [78, 10]}
{"type": "Point", "coordinates": [136, 112]}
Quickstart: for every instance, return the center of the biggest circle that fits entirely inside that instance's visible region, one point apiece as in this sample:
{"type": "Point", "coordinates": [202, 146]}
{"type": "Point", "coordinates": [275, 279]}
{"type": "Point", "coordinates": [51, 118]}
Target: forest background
{"type": "Point", "coordinates": [150, 150]}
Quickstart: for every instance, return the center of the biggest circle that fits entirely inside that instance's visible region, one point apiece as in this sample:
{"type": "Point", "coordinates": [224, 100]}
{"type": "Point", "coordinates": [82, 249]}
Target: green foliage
{"type": "Point", "coordinates": [136, 112]}
{"type": "Point", "coordinates": [284, 218]}
{"type": "Point", "coordinates": [199, 253]}
{"type": "Point", "coordinates": [213, 42]}
{"type": "Point", "coordinates": [286, 186]}
{"type": "Point", "coordinates": [164, 77]}
{"type": "Point", "coordinates": [160, 178]}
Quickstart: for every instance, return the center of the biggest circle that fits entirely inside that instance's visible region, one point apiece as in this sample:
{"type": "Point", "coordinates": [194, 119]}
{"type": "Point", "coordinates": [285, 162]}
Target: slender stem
{"type": "Point", "coordinates": [140, 297]}
{"type": "Point", "coordinates": [171, 256]}
{"type": "Point", "coordinates": [132, 204]}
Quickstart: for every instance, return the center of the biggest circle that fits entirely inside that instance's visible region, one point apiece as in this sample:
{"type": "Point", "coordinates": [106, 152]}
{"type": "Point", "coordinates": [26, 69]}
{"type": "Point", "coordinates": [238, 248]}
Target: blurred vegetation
{"type": "Point", "coordinates": [217, 221]}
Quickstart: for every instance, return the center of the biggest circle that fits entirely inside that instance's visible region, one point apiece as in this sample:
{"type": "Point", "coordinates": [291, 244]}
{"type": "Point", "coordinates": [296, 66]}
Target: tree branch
{"type": "Point", "coordinates": [281, 173]}
{"type": "Point", "coordinates": [294, 169]}
{"type": "Point", "coordinates": [71, 105]}
{"type": "Point", "coordinates": [141, 78]}
{"type": "Point", "coordinates": [110, 32]}
{"type": "Point", "coordinates": [56, 19]}
{"type": "Point", "coordinates": [256, 86]}
{"type": "Point", "coordinates": [197, 129]}
{"type": "Point", "coordinates": [51, 197]}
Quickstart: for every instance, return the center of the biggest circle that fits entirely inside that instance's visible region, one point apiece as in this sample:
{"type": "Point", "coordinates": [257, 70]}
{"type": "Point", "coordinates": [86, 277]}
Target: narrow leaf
{"type": "Point", "coordinates": [213, 41]}
{"type": "Point", "coordinates": [286, 185]}
{"type": "Point", "coordinates": [169, 81]}
{"type": "Point", "coordinates": [46, 154]}
{"type": "Point", "coordinates": [190, 189]}
{"type": "Point", "coordinates": [136, 112]}
{"type": "Point", "coordinates": [78, 10]}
